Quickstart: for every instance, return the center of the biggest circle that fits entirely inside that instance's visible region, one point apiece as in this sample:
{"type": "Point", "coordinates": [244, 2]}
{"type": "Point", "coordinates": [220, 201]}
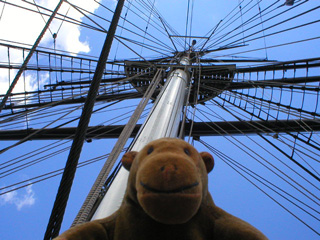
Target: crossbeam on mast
{"type": "Point", "coordinates": [198, 129]}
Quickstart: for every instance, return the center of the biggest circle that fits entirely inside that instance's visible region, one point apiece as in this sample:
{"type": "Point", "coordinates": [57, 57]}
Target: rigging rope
{"type": "Point", "coordinates": [42, 16]}
{"type": "Point", "coordinates": [264, 37]}
{"type": "Point", "coordinates": [258, 105]}
{"type": "Point", "coordinates": [27, 59]}
{"type": "Point", "coordinates": [125, 134]}
{"type": "Point", "coordinates": [60, 171]}
{"type": "Point", "coordinates": [273, 26]}
{"type": "Point", "coordinates": [41, 129]}
{"type": "Point", "coordinates": [2, 11]}
{"type": "Point", "coordinates": [148, 22]}
{"type": "Point", "coordinates": [254, 155]}
{"type": "Point", "coordinates": [45, 150]}
{"type": "Point", "coordinates": [289, 157]}
{"type": "Point", "coordinates": [233, 162]}
{"type": "Point", "coordinates": [268, 141]}
{"type": "Point", "coordinates": [187, 23]}
{"type": "Point", "coordinates": [58, 210]}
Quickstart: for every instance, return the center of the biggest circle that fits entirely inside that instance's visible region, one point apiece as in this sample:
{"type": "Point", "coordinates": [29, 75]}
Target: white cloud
{"type": "Point", "coordinates": [19, 200]}
{"type": "Point", "coordinates": [28, 25]}
{"type": "Point", "coordinates": [26, 28]}
{"type": "Point", "coordinates": [8, 197]}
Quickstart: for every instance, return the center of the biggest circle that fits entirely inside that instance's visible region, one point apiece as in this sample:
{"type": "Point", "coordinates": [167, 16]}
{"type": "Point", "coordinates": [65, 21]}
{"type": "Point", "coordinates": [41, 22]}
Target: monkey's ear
{"type": "Point", "coordinates": [127, 159]}
{"type": "Point", "coordinates": [208, 160]}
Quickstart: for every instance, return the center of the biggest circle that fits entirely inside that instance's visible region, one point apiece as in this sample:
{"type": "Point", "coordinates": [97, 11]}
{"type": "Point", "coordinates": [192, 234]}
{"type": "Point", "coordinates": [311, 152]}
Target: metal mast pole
{"type": "Point", "coordinates": [163, 121]}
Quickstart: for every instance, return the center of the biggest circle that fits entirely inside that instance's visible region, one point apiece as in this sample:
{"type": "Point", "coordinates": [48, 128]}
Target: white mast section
{"type": "Point", "coordinates": [162, 121]}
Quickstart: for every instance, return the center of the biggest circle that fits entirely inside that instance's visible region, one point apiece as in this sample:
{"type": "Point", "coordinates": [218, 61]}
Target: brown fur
{"type": "Point", "coordinates": [167, 198]}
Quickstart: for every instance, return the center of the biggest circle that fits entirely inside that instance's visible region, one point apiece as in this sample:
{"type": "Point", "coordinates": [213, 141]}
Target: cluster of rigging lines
{"type": "Point", "coordinates": [240, 94]}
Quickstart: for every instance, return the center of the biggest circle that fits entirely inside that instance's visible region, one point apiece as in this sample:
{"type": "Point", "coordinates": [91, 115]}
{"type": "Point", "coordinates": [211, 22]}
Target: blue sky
{"type": "Point", "coordinates": [24, 213]}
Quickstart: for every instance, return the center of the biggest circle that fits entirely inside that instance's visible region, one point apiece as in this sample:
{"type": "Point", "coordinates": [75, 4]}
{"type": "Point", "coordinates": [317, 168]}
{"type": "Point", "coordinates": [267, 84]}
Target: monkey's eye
{"type": "Point", "coordinates": [150, 150]}
{"type": "Point", "coordinates": [186, 150]}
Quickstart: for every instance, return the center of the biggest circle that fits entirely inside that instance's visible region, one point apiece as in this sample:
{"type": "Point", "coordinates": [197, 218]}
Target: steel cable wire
{"type": "Point", "coordinates": [289, 157]}
{"type": "Point", "coordinates": [259, 134]}
{"type": "Point", "coordinates": [256, 157]}
{"type": "Point", "coordinates": [240, 169]}
{"type": "Point", "coordinates": [263, 180]}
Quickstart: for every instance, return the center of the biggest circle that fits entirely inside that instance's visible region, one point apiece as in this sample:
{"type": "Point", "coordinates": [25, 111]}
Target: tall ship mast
{"type": "Point", "coordinates": [82, 82]}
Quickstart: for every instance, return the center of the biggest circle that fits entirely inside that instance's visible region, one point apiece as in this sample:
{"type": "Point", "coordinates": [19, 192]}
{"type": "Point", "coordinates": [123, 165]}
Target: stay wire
{"type": "Point", "coordinates": [208, 146]}
{"type": "Point", "coordinates": [269, 27]}
{"type": "Point", "coordinates": [158, 27]}
{"type": "Point", "coordinates": [225, 24]}
{"type": "Point", "coordinates": [187, 23]}
{"type": "Point", "coordinates": [131, 31]}
{"type": "Point", "coordinates": [264, 37]}
{"type": "Point", "coordinates": [48, 105]}
{"type": "Point", "coordinates": [41, 129]}
{"type": "Point", "coordinates": [288, 166]}
{"type": "Point", "coordinates": [42, 16]}
{"type": "Point", "coordinates": [281, 31]}
{"type": "Point", "coordinates": [274, 156]}
{"type": "Point", "coordinates": [164, 26]}
{"type": "Point", "coordinates": [296, 161]}
{"type": "Point", "coordinates": [247, 22]}
{"type": "Point", "coordinates": [123, 22]}
{"type": "Point", "coordinates": [65, 123]}
{"type": "Point", "coordinates": [185, 110]}
{"type": "Point", "coordinates": [286, 107]}
{"type": "Point", "coordinates": [276, 119]}
{"type": "Point", "coordinates": [2, 11]}
{"type": "Point", "coordinates": [125, 134]}
{"type": "Point", "coordinates": [243, 148]}
{"type": "Point", "coordinates": [303, 151]}
{"type": "Point", "coordinates": [251, 20]}
{"type": "Point", "coordinates": [279, 86]}
{"type": "Point", "coordinates": [242, 21]}
{"type": "Point", "coordinates": [191, 22]}
{"type": "Point", "coordinates": [50, 155]}
{"type": "Point", "coordinates": [245, 97]}
{"type": "Point", "coordinates": [66, 138]}
{"type": "Point", "coordinates": [159, 15]}
{"type": "Point", "coordinates": [288, 140]}
{"type": "Point", "coordinates": [157, 40]}
{"type": "Point", "coordinates": [261, 179]}
{"type": "Point", "coordinates": [221, 21]}
{"type": "Point", "coordinates": [55, 173]}
{"type": "Point", "coordinates": [147, 46]}
{"type": "Point", "coordinates": [32, 163]}
{"type": "Point", "coordinates": [36, 115]}
{"type": "Point", "coordinates": [47, 112]}
{"type": "Point", "coordinates": [293, 160]}
{"type": "Point", "coordinates": [82, 12]}
{"type": "Point", "coordinates": [145, 32]}
{"type": "Point", "coordinates": [196, 94]}
{"type": "Point", "coordinates": [63, 21]}
{"type": "Point", "coordinates": [59, 16]}
{"type": "Point", "coordinates": [144, 6]}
